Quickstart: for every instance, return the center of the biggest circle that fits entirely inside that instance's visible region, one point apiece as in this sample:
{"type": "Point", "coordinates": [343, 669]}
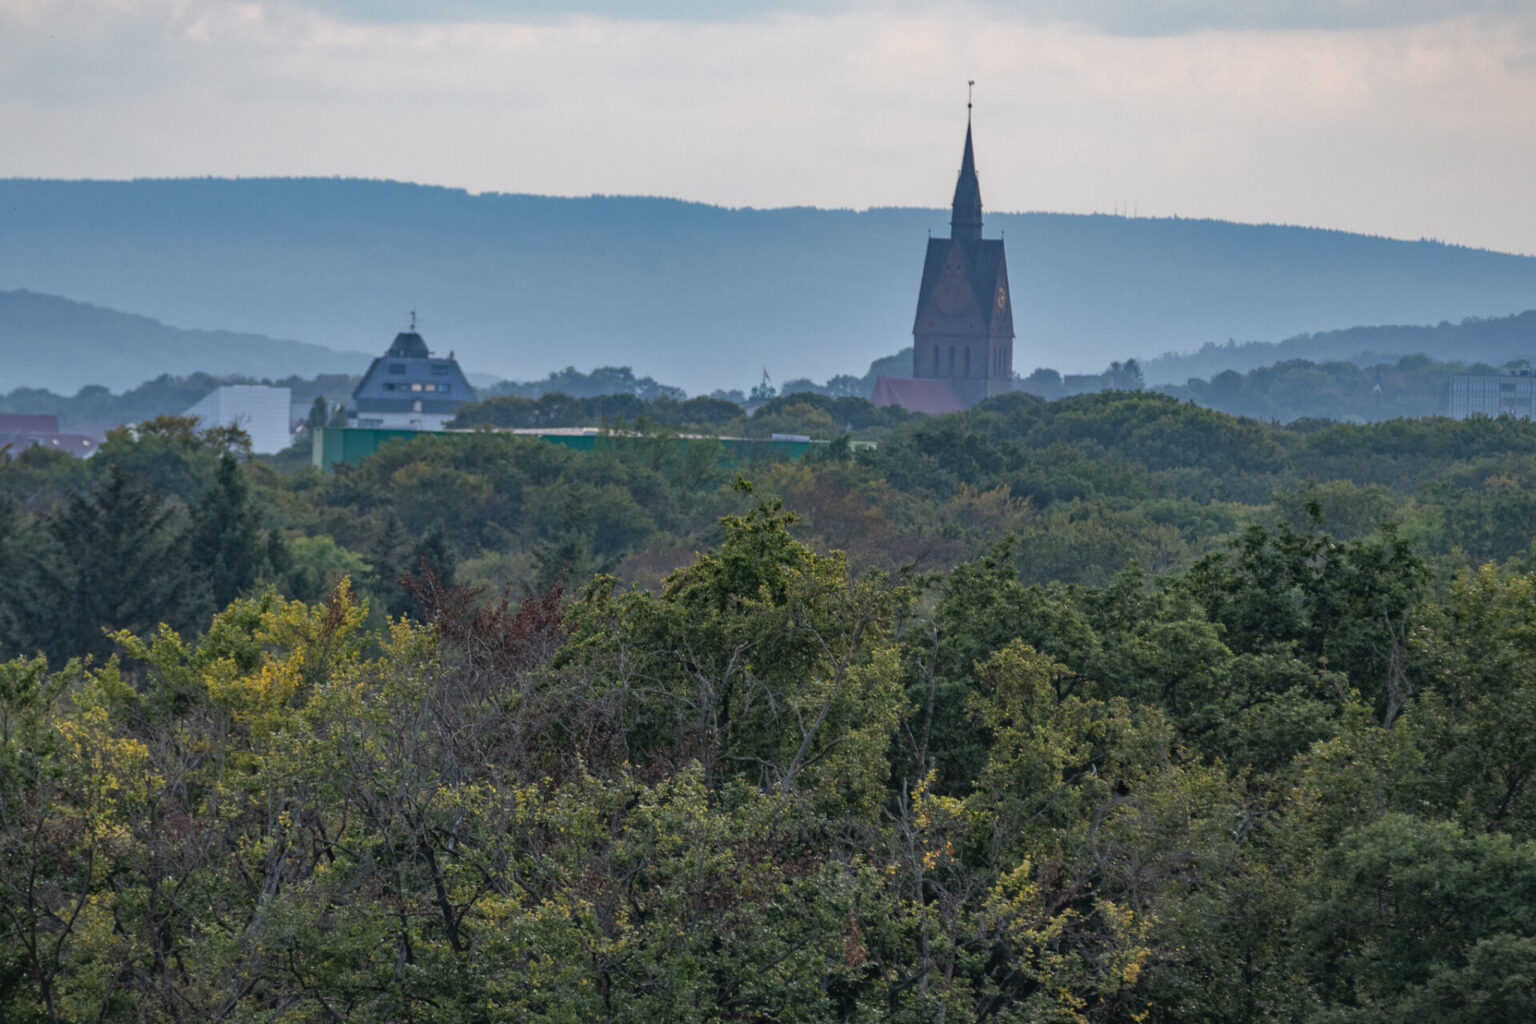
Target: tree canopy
{"type": "Point", "coordinates": [1107, 709]}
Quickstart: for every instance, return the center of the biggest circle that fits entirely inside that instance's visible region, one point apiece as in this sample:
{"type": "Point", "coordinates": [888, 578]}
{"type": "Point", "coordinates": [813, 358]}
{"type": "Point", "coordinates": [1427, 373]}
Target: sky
{"type": "Point", "coordinates": [1405, 118]}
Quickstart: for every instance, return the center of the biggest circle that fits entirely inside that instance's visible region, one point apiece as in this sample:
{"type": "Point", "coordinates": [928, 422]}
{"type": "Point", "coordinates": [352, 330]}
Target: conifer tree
{"type": "Point", "coordinates": [226, 540]}
{"type": "Point", "coordinates": [389, 554]}
{"type": "Point", "coordinates": [121, 564]}
{"type": "Point", "coordinates": [22, 551]}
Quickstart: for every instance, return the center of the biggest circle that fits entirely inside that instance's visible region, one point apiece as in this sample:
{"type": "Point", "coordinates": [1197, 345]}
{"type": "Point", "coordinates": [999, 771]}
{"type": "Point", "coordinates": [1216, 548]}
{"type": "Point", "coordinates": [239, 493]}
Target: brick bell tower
{"type": "Point", "coordinates": [963, 332]}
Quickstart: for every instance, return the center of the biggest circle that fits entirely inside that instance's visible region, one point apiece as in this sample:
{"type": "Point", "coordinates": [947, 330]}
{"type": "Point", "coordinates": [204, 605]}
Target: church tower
{"type": "Point", "coordinates": [963, 332]}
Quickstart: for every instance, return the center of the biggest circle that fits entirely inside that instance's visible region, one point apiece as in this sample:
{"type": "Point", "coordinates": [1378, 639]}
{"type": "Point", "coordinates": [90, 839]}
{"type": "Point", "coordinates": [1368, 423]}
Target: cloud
{"type": "Point", "coordinates": [1120, 17]}
{"type": "Point", "coordinates": [1175, 17]}
{"type": "Point", "coordinates": [1408, 129]}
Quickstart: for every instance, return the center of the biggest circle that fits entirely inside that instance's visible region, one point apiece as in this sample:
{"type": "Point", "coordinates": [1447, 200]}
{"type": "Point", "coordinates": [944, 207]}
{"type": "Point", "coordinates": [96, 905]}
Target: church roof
{"type": "Point", "coordinates": [985, 269]}
{"type": "Point", "coordinates": [978, 263]}
{"type": "Point", "coordinates": [965, 213]}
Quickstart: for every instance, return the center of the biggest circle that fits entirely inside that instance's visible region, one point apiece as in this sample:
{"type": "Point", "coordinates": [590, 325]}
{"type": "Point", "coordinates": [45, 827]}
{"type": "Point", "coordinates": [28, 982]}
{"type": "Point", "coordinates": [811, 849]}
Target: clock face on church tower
{"type": "Point", "coordinates": [1002, 297]}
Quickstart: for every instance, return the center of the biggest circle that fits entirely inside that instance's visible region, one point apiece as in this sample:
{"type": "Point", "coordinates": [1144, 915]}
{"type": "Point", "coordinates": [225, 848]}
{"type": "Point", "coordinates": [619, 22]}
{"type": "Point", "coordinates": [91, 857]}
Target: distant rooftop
{"type": "Point", "coordinates": [408, 345]}
{"type": "Point", "coordinates": [410, 387]}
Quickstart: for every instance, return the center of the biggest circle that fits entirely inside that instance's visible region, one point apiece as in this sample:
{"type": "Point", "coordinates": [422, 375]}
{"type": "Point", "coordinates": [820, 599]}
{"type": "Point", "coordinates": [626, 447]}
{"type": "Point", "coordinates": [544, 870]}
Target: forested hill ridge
{"type": "Point", "coordinates": [1408, 388]}
{"type": "Point", "coordinates": [1107, 710]}
{"type": "Point", "coordinates": [95, 409]}
{"type": "Point", "coordinates": [698, 296]}
{"type": "Point", "coordinates": [1489, 340]}
{"type": "Point", "coordinates": [61, 345]}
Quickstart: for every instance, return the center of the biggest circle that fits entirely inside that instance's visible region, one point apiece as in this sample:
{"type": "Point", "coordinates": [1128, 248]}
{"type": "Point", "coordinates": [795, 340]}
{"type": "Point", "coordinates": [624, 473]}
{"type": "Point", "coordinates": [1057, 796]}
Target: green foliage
{"type": "Point", "coordinates": [766, 660]}
{"type": "Point", "coordinates": [1346, 391]}
{"type": "Point", "coordinates": [1477, 722]}
{"type": "Point", "coordinates": [25, 564]}
{"type": "Point", "coordinates": [552, 409]}
{"type": "Point", "coordinates": [611, 381]}
{"type": "Point", "coordinates": [226, 538]}
{"type": "Point", "coordinates": [1412, 916]}
{"type": "Point", "coordinates": [1485, 342]}
{"type": "Point", "coordinates": [121, 563]}
{"type": "Point", "coordinates": [1102, 710]}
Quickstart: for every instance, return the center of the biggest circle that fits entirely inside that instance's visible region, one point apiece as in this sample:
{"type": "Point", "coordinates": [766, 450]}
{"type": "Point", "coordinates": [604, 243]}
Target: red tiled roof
{"type": "Point", "coordinates": [931, 395]}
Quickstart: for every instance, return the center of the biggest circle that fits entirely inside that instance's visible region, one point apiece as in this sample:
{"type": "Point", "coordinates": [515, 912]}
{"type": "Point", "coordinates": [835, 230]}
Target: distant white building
{"type": "Point", "coordinates": [262, 412]}
{"type": "Point", "coordinates": [1504, 394]}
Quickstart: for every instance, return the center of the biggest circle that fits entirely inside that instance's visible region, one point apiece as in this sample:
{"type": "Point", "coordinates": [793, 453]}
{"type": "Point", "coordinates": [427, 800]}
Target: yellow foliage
{"type": "Point", "coordinates": [302, 647]}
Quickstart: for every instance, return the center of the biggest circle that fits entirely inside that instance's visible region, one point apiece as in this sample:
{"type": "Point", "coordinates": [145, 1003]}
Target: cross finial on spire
{"type": "Point", "coordinates": [970, 87]}
{"type": "Point", "coordinates": [413, 320]}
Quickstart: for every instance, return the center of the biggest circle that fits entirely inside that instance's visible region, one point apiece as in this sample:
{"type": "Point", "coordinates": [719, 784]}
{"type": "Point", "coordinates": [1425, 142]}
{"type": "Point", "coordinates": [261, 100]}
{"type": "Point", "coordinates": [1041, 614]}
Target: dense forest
{"type": "Point", "coordinates": [1108, 708]}
{"type": "Point", "coordinates": [1411, 387]}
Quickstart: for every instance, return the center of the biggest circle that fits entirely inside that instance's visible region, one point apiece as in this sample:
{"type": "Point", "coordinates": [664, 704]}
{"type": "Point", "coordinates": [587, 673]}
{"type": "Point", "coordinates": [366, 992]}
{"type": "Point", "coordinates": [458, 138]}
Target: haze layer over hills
{"type": "Point", "coordinates": [51, 342]}
{"type": "Point", "coordinates": [1495, 341]}
{"type": "Point", "coordinates": [699, 296]}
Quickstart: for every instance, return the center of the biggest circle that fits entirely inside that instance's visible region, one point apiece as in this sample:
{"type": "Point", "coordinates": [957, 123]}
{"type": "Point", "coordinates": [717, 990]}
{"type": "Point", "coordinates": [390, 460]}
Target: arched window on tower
{"type": "Point", "coordinates": [951, 360]}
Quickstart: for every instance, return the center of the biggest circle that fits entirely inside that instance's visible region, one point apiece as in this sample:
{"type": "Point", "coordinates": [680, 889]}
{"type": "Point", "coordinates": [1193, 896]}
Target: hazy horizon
{"type": "Point", "coordinates": [696, 295]}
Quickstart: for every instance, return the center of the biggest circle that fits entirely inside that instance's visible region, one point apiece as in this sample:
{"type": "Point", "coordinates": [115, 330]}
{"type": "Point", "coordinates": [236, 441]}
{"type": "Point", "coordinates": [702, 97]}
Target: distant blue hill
{"type": "Point", "coordinates": [54, 343]}
{"type": "Point", "coordinates": [694, 295]}
{"type": "Point", "coordinates": [1492, 341]}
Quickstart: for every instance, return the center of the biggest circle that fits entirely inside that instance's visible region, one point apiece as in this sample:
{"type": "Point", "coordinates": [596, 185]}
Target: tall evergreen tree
{"type": "Point", "coordinates": [226, 540]}
{"type": "Point", "coordinates": [396, 559]}
{"type": "Point", "coordinates": [22, 551]}
{"type": "Point", "coordinates": [391, 557]}
{"type": "Point", "coordinates": [121, 564]}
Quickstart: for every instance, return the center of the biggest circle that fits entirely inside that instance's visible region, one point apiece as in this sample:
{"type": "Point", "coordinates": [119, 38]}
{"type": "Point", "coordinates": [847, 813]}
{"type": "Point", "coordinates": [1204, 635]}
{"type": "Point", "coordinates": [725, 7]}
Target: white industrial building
{"type": "Point", "coordinates": [265, 413]}
{"type": "Point", "coordinates": [1504, 394]}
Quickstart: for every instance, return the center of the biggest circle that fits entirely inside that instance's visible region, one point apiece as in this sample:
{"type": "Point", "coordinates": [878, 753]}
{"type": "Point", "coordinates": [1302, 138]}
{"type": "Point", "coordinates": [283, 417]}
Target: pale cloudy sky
{"type": "Point", "coordinates": [1408, 118]}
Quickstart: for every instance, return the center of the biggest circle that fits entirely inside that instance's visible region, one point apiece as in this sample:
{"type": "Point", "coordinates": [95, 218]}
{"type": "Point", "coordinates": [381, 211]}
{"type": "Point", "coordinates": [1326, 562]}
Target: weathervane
{"type": "Point", "coordinates": [413, 320]}
{"type": "Point", "coordinates": [970, 87]}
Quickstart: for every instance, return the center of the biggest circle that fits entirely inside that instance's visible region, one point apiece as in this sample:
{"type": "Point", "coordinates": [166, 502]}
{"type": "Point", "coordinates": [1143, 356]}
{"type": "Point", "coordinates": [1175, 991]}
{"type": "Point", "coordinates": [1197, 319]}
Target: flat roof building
{"type": "Point", "coordinates": [1504, 394]}
{"type": "Point", "coordinates": [264, 413]}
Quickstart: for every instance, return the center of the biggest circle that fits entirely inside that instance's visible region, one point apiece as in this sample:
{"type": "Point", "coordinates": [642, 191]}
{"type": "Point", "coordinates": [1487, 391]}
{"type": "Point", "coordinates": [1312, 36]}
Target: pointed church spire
{"type": "Point", "coordinates": [965, 216]}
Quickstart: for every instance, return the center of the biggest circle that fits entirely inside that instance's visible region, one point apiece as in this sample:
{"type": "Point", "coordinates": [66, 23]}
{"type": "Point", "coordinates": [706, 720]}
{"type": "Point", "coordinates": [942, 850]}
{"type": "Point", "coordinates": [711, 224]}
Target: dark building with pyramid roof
{"type": "Point", "coordinates": [962, 336]}
{"type": "Point", "coordinates": [409, 387]}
